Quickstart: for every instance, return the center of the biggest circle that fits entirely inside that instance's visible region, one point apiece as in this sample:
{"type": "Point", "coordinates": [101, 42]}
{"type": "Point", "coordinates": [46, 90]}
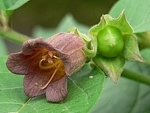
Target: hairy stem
{"type": "Point", "coordinates": [13, 36]}
{"type": "Point", "coordinates": [136, 76]}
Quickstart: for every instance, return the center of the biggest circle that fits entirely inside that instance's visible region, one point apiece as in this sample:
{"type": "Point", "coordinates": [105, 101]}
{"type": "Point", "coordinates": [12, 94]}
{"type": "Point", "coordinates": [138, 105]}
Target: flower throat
{"type": "Point", "coordinates": [50, 60]}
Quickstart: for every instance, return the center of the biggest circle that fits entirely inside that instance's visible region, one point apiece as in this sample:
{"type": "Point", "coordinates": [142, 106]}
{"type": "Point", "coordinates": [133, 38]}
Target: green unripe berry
{"type": "Point", "coordinates": [110, 42]}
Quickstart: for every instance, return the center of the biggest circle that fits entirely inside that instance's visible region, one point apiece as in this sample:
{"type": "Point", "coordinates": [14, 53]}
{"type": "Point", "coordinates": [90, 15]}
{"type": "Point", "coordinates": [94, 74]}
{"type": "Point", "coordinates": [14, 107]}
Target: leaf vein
{"type": "Point", "coordinates": [136, 100]}
{"type": "Point", "coordinates": [81, 89]}
{"type": "Point", "coordinates": [26, 103]}
{"type": "Point", "coordinates": [139, 25]}
{"type": "Point", "coordinates": [133, 11]}
{"type": "Point", "coordinates": [11, 88]}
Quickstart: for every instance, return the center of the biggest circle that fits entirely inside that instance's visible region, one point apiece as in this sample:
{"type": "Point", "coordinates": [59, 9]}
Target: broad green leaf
{"type": "Point", "coordinates": [7, 6]}
{"type": "Point", "coordinates": [138, 67]}
{"type": "Point", "coordinates": [65, 24]}
{"type": "Point", "coordinates": [136, 11]}
{"type": "Point", "coordinates": [146, 55]}
{"type": "Point", "coordinates": [3, 48]}
{"type": "Point", "coordinates": [131, 50]}
{"type": "Point", "coordinates": [14, 4]}
{"type": "Point", "coordinates": [84, 89]}
{"type": "Point", "coordinates": [3, 68]}
{"type": "Point", "coordinates": [112, 67]}
{"type": "Point", "coordinates": [127, 96]}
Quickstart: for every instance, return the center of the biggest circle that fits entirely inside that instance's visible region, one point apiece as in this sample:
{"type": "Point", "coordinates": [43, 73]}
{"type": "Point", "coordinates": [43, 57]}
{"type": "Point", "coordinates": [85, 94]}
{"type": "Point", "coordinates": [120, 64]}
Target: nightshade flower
{"type": "Point", "coordinates": [46, 64]}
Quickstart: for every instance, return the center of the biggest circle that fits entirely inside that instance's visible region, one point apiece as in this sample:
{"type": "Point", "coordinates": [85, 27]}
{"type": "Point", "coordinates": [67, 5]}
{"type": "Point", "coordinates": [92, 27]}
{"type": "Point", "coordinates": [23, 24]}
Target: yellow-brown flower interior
{"type": "Point", "coordinates": [52, 62]}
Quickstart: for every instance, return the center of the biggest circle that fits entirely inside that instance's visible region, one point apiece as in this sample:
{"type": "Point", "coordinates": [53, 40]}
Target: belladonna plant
{"type": "Point", "coordinates": [47, 64]}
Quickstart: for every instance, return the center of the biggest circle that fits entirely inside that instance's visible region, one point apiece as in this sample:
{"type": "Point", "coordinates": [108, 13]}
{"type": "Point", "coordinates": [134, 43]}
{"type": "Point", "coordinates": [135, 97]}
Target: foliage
{"type": "Point", "coordinates": [85, 86]}
{"type": "Point", "coordinates": [138, 19]}
{"type": "Point", "coordinates": [81, 94]}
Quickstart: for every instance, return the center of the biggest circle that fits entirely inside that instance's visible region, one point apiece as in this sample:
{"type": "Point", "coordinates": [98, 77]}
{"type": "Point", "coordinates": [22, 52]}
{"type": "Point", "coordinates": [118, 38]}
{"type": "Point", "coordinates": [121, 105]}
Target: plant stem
{"type": "Point", "coordinates": [14, 36]}
{"type": "Point", "coordinates": [136, 76]}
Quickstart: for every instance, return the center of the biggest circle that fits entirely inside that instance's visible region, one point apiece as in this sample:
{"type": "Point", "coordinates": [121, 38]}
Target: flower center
{"type": "Point", "coordinates": [50, 60]}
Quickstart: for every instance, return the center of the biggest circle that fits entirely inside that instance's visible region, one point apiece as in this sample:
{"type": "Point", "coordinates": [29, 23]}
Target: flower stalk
{"type": "Point", "coordinates": [14, 36]}
{"type": "Point", "coordinates": [136, 76]}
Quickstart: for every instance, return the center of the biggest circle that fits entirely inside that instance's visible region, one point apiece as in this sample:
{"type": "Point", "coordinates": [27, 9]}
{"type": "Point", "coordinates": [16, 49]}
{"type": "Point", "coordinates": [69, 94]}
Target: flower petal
{"type": "Point", "coordinates": [27, 61]}
{"type": "Point", "coordinates": [32, 45]}
{"type": "Point", "coordinates": [33, 82]}
{"type": "Point", "coordinates": [19, 63]}
{"type": "Point", "coordinates": [57, 91]}
{"type": "Point", "coordinates": [16, 64]}
{"type": "Point", "coordinates": [69, 48]}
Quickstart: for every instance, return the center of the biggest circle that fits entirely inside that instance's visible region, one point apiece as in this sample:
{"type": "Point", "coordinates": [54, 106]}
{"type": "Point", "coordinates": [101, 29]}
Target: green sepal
{"type": "Point", "coordinates": [121, 23]}
{"type": "Point", "coordinates": [131, 50]}
{"type": "Point", "coordinates": [90, 49]}
{"type": "Point", "coordinates": [112, 67]}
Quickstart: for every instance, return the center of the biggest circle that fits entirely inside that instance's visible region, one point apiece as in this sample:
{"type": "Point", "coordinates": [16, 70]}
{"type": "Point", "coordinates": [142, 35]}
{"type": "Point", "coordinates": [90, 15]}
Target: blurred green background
{"type": "Point", "coordinates": [48, 13]}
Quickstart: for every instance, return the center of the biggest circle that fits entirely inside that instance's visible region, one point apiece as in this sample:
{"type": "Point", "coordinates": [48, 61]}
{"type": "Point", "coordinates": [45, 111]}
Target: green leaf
{"type": "Point", "coordinates": [3, 68]}
{"type": "Point", "coordinates": [84, 89]}
{"type": "Point", "coordinates": [136, 11]}
{"type": "Point", "coordinates": [7, 7]}
{"type": "Point", "coordinates": [146, 55]}
{"type": "Point", "coordinates": [3, 50]}
{"type": "Point", "coordinates": [126, 97]}
{"type": "Point", "coordinates": [131, 50]}
{"type": "Point", "coordinates": [112, 67]}
{"type": "Point", "coordinates": [14, 4]}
